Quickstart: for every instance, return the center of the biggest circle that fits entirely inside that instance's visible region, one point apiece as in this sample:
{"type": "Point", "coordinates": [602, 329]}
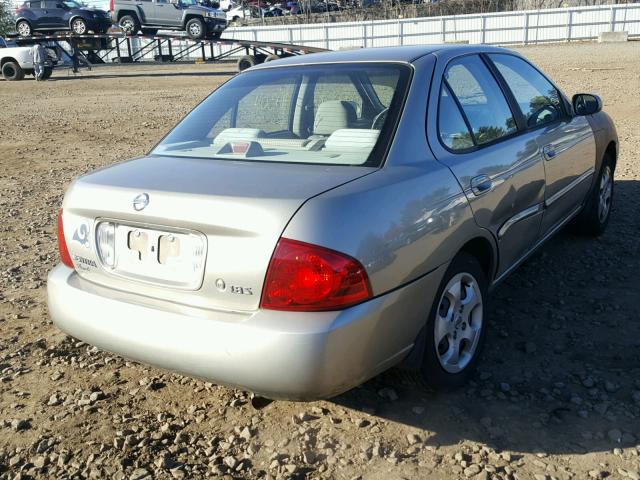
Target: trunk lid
{"type": "Point", "coordinates": [207, 231]}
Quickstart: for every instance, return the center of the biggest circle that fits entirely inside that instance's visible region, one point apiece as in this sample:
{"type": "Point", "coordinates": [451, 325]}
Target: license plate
{"type": "Point", "coordinates": [172, 258]}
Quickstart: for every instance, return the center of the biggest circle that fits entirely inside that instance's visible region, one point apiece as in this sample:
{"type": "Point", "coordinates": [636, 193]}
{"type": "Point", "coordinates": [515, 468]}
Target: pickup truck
{"type": "Point", "coordinates": [16, 62]}
{"type": "Point", "coordinates": [199, 22]}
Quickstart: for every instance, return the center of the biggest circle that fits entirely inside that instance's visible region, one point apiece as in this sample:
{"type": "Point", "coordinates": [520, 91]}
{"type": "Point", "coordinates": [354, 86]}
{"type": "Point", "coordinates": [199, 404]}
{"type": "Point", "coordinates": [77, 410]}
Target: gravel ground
{"type": "Point", "coordinates": [557, 395]}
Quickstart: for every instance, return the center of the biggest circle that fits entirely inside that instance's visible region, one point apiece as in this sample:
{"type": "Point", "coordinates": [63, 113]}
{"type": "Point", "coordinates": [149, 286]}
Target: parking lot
{"type": "Point", "coordinates": [557, 394]}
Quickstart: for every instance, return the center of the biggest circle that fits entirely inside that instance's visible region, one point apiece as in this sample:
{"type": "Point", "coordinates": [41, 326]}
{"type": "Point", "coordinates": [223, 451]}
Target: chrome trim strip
{"type": "Point", "coordinates": [563, 191]}
{"type": "Point", "coordinates": [529, 252]}
{"type": "Point", "coordinates": [526, 213]}
{"type": "Point", "coordinates": [568, 145]}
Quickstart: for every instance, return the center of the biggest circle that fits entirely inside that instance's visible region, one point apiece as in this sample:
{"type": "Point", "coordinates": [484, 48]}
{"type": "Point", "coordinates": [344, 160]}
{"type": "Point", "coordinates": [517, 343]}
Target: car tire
{"type": "Point", "coordinates": [247, 61]}
{"type": "Point", "coordinates": [456, 327]}
{"type": "Point", "coordinates": [79, 26]}
{"type": "Point", "coordinates": [195, 29]}
{"type": "Point", "coordinates": [129, 24]}
{"type": "Point", "coordinates": [594, 217]}
{"type": "Point", "coordinates": [149, 31]}
{"type": "Point", "coordinates": [24, 28]}
{"type": "Point", "coordinates": [12, 72]}
{"type": "Point", "coordinates": [46, 75]}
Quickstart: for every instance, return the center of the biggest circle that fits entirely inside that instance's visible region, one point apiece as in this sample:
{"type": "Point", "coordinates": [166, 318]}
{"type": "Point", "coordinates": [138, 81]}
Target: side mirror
{"type": "Point", "coordinates": [586, 104]}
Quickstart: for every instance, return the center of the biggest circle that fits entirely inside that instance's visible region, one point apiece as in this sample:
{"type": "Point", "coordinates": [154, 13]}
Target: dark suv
{"type": "Point", "coordinates": [149, 16]}
{"type": "Point", "coordinates": [54, 15]}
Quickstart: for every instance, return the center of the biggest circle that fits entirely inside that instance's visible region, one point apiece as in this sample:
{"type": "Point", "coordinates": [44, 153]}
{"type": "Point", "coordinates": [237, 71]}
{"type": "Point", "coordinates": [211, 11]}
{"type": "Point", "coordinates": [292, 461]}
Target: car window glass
{"type": "Point", "coordinates": [538, 99]}
{"type": "Point", "coordinates": [452, 129]}
{"type": "Point", "coordinates": [325, 91]}
{"type": "Point", "coordinates": [51, 5]}
{"type": "Point", "coordinates": [267, 107]}
{"type": "Point", "coordinates": [481, 99]}
{"type": "Point", "coordinates": [385, 87]}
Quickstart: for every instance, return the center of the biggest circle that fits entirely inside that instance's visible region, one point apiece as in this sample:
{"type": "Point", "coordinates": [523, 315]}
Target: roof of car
{"type": "Point", "coordinates": [405, 54]}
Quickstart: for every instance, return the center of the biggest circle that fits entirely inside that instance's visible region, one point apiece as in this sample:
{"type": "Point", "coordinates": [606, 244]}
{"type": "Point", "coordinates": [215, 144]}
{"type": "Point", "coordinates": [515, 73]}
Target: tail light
{"type": "Point", "coordinates": [305, 277]}
{"type": "Point", "coordinates": [62, 244]}
{"type": "Point", "coordinates": [111, 5]}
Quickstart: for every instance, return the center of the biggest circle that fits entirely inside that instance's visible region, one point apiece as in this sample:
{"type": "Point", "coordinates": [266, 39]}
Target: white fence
{"type": "Point", "coordinates": [500, 28]}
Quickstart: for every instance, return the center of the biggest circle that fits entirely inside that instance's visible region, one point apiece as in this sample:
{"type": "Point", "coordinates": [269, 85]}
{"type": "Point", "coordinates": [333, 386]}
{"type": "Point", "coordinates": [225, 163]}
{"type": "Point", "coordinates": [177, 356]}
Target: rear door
{"type": "Point", "coordinates": [476, 131]}
{"type": "Point", "coordinates": [567, 143]}
{"type": "Point", "coordinates": [53, 14]}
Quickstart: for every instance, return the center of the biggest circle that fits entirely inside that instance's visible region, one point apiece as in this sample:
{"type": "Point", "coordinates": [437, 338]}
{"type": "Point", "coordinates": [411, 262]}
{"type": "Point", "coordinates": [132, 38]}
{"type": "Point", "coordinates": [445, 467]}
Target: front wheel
{"type": "Point", "coordinates": [195, 29]}
{"type": "Point", "coordinates": [79, 26]}
{"type": "Point", "coordinates": [12, 72]}
{"type": "Point", "coordinates": [129, 25]}
{"type": "Point", "coordinates": [24, 29]}
{"type": "Point", "coordinates": [456, 326]}
{"type": "Point", "coordinates": [594, 218]}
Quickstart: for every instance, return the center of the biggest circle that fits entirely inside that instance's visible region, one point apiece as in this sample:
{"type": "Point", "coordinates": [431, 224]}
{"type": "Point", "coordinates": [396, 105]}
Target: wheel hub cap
{"type": "Point", "coordinates": [605, 194]}
{"type": "Point", "coordinates": [458, 322]}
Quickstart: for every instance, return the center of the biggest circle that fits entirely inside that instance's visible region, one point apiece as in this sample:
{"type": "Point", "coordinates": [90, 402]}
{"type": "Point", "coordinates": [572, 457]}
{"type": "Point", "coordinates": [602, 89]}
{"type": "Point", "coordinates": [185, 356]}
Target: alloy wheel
{"type": "Point", "coordinates": [194, 29]}
{"type": "Point", "coordinates": [458, 322]}
{"type": "Point", "coordinates": [79, 27]}
{"type": "Point", "coordinates": [605, 194]}
{"type": "Point", "coordinates": [24, 29]}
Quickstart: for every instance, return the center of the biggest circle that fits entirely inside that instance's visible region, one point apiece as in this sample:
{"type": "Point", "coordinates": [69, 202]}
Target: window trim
{"type": "Point", "coordinates": [564, 114]}
{"type": "Point", "coordinates": [476, 146]}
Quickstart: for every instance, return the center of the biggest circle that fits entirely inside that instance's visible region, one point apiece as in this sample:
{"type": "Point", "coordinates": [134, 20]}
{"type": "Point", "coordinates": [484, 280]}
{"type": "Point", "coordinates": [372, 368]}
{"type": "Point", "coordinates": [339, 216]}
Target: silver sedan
{"type": "Point", "coordinates": [320, 219]}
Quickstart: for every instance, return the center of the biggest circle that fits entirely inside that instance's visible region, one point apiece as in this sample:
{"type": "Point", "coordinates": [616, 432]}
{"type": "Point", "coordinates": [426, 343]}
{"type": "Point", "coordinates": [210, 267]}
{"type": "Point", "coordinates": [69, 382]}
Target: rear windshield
{"type": "Point", "coordinates": [338, 114]}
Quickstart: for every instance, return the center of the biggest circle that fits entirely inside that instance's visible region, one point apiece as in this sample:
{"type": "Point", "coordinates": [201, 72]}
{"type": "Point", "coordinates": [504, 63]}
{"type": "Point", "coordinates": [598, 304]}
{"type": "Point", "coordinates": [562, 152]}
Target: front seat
{"type": "Point", "coordinates": [333, 115]}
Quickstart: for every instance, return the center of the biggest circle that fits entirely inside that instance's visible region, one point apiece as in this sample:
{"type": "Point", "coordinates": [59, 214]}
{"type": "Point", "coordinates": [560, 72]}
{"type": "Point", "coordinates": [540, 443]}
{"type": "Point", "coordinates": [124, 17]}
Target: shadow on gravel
{"type": "Point", "coordinates": [560, 372]}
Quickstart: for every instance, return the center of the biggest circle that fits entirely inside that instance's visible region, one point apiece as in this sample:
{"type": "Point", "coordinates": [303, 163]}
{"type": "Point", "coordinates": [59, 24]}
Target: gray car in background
{"type": "Point", "coordinates": [319, 219]}
{"type": "Point", "coordinates": [199, 22]}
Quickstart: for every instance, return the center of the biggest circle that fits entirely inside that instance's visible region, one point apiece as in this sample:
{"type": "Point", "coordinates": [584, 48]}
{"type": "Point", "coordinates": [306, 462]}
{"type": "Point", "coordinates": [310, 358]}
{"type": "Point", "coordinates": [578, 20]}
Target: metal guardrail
{"type": "Point", "coordinates": [497, 28]}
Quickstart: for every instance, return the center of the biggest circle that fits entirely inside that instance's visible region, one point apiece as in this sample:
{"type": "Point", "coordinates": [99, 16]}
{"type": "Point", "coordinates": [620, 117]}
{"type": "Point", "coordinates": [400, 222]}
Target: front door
{"type": "Point", "coordinates": [498, 166]}
{"type": "Point", "coordinates": [166, 13]}
{"type": "Point", "coordinates": [566, 142]}
{"type": "Point", "coordinates": [53, 14]}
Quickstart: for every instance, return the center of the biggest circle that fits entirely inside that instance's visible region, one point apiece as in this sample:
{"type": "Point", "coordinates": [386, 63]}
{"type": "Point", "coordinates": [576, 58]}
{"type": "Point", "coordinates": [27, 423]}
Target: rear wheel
{"type": "Point", "coordinates": [195, 29]}
{"type": "Point", "coordinates": [79, 26]}
{"type": "Point", "coordinates": [456, 326]}
{"type": "Point", "coordinates": [12, 72]}
{"type": "Point", "coordinates": [24, 29]}
{"type": "Point", "coordinates": [594, 218]}
{"type": "Point", "coordinates": [245, 62]}
{"type": "Point", "coordinates": [46, 75]}
{"type": "Point", "coordinates": [129, 25]}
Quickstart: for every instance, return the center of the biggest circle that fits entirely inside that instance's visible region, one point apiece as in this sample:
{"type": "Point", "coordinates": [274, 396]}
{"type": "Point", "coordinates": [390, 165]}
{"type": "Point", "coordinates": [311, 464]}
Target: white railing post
{"type": "Point", "coordinates": [484, 28]}
{"type": "Point", "coordinates": [442, 32]}
{"type": "Point", "coordinates": [569, 21]}
{"type": "Point", "coordinates": [326, 37]}
{"type": "Point", "coordinates": [525, 36]}
{"type": "Point", "coordinates": [401, 32]}
{"type": "Point", "coordinates": [364, 34]}
{"type": "Point", "coordinates": [612, 21]}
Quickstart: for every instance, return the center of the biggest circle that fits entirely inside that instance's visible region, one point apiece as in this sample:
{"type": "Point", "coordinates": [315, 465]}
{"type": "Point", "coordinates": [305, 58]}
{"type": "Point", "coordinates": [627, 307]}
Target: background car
{"type": "Point", "coordinates": [150, 16]}
{"type": "Point", "coordinates": [54, 15]}
{"type": "Point", "coordinates": [16, 61]}
{"type": "Point", "coordinates": [314, 223]}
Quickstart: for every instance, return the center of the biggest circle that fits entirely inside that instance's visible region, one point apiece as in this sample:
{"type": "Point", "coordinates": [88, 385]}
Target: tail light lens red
{"type": "Point", "coordinates": [111, 5]}
{"type": "Point", "coordinates": [62, 244]}
{"type": "Point", "coordinates": [305, 277]}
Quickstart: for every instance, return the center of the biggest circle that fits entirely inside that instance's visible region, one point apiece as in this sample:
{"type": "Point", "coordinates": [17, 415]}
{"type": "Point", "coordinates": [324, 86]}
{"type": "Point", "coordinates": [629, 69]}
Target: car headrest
{"type": "Point", "coordinates": [333, 115]}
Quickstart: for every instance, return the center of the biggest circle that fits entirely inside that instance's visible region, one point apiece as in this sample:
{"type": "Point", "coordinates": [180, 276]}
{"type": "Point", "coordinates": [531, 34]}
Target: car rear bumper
{"type": "Point", "coordinates": [292, 355]}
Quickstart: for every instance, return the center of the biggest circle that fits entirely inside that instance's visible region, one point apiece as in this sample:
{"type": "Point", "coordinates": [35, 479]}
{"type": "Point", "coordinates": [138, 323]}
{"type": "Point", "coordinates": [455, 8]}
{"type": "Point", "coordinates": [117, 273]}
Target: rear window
{"type": "Point", "coordinates": [336, 114]}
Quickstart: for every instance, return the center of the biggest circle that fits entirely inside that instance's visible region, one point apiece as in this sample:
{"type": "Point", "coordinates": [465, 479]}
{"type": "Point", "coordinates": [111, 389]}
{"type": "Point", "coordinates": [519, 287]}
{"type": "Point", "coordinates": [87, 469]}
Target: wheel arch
{"type": "Point", "coordinates": [483, 250]}
{"type": "Point", "coordinates": [191, 16]}
{"type": "Point", "coordinates": [8, 59]}
{"type": "Point", "coordinates": [612, 152]}
{"type": "Point", "coordinates": [132, 13]}
{"type": "Point", "coordinates": [75, 16]}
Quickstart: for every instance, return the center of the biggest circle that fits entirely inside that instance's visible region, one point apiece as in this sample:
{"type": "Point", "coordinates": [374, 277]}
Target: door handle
{"type": "Point", "coordinates": [481, 185]}
{"type": "Point", "coordinates": [549, 151]}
